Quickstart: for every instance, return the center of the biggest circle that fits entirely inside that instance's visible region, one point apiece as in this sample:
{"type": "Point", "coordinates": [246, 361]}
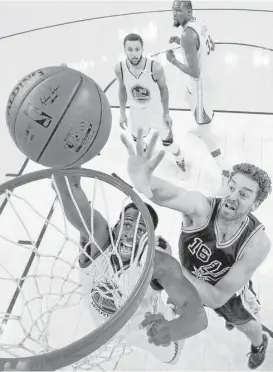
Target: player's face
{"type": "Point", "coordinates": [180, 14]}
{"type": "Point", "coordinates": [128, 231]}
{"type": "Point", "coordinates": [133, 50]}
{"type": "Point", "coordinates": [240, 198]}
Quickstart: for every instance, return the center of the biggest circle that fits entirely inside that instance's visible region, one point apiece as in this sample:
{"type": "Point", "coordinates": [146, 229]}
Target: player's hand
{"type": "Point", "coordinates": [157, 329]}
{"type": "Point", "coordinates": [162, 245]}
{"type": "Point", "coordinates": [170, 55]}
{"type": "Point", "coordinates": [140, 163]}
{"type": "Point", "coordinates": [123, 121]}
{"type": "Point", "coordinates": [168, 120]}
{"type": "Point", "coordinates": [174, 39]}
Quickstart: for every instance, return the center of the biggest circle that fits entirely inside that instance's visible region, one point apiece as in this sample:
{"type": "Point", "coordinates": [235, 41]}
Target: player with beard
{"type": "Point", "coordinates": [142, 84]}
{"type": "Point", "coordinates": [221, 243]}
{"type": "Point", "coordinates": [197, 49]}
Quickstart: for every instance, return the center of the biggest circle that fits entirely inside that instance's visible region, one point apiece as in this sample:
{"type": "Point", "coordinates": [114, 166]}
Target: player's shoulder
{"type": "Point", "coordinates": [259, 245]}
{"type": "Point", "coordinates": [260, 239]}
{"type": "Point", "coordinates": [157, 69]}
{"type": "Point", "coordinates": [156, 65]}
{"type": "Point", "coordinates": [189, 35]}
{"type": "Point", "coordinates": [118, 69]}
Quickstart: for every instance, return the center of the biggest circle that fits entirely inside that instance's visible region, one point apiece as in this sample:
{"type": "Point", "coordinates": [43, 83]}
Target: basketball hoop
{"type": "Point", "coordinates": [46, 292]}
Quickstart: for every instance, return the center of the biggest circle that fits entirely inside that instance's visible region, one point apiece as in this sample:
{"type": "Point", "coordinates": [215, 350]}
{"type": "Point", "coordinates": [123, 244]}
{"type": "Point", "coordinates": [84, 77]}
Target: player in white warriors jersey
{"type": "Point", "coordinates": [197, 48]}
{"type": "Point", "coordinates": [142, 84]}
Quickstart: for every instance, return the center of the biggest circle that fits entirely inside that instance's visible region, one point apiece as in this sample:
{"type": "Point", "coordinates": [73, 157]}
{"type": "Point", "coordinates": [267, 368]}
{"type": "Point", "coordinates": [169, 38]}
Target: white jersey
{"type": "Point", "coordinates": [103, 288]}
{"type": "Point", "coordinates": [142, 90]}
{"type": "Point", "coordinates": [205, 49]}
{"type": "Point", "coordinates": [99, 278]}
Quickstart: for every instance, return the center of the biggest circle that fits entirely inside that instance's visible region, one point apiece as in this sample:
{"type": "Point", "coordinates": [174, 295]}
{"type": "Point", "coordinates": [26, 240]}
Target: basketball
{"type": "Point", "coordinates": [58, 117]}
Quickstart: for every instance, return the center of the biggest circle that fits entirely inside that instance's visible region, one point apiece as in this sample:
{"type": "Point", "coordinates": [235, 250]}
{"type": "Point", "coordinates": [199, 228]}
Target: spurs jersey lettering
{"type": "Point", "coordinates": [205, 48]}
{"type": "Point", "coordinates": [142, 90]}
{"type": "Point", "coordinates": [202, 253]}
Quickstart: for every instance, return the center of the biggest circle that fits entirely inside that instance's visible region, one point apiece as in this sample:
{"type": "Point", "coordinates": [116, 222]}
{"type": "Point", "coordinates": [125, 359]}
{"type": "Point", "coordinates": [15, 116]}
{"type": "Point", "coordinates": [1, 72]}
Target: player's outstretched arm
{"type": "Point", "coordinates": [141, 167]}
{"type": "Point", "coordinates": [78, 212]}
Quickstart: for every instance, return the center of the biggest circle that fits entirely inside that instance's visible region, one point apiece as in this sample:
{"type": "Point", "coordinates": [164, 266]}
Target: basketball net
{"type": "Point", "coordinates": [54, 299]}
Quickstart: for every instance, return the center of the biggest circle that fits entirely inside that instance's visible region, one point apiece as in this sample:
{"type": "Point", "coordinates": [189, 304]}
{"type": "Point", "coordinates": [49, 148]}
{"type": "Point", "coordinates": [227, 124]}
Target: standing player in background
{"type": "Point", "coordinates": [142, 83]}
{"type": "Point", "coordinates": [197, 48]}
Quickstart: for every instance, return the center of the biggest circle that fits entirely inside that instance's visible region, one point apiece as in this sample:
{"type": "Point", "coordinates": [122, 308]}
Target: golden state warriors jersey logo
{"type": "Point", "coordinates": [140, 93]}
{"type": "Point", "coordinates": [103, 298]}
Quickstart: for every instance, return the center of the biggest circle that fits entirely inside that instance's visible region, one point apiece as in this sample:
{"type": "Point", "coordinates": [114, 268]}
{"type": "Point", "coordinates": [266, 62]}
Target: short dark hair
{"type": "Point", "coordinates": [185, 4]}
{"type": "Point", "coordinates": [188, 5]}
{"type": "Point", "coordinates": [133, 37]}
{"type": "Point", "coordinates": [150, 208]}
{"type": "Point", "coordinates": [258, 175]}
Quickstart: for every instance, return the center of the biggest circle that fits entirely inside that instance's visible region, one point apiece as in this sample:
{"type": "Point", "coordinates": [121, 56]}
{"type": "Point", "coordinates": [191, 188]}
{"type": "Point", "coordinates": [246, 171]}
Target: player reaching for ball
{"type": "Point", "coordinates": [165, 330]}
{"type": "Point", "coordinates": [142, 83]}
{"type": "Point", "coordinates": [221, 243]}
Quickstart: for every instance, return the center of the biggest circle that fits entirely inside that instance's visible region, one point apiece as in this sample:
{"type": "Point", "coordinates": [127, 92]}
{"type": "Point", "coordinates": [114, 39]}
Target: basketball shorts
{"type": "Point", "coordinates": [149, 117]}
{"type": "Point", "coordinates": [241, 309]}
{"type": "Point", "coordinates": [200, 103]}
{"type": "Point", "coordinates": [101, 309]}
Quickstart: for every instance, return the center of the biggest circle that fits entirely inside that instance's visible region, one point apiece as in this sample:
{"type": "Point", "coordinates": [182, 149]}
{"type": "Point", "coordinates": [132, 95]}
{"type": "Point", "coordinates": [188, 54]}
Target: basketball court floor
{"type": "Point", "coordinates": [243, 77]}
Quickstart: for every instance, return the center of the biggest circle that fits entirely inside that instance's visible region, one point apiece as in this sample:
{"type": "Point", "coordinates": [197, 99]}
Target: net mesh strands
{"type": "Point", "coordinates": [49, 304]}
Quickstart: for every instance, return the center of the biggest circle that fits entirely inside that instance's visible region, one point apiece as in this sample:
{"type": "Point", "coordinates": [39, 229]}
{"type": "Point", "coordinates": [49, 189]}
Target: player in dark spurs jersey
{"type": "Point", "coordinates": [221, 244]}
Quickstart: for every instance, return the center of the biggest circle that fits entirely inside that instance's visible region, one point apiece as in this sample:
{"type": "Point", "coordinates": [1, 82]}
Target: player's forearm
{"type": "Point", "coordinates": [122, 94]}
{"type": "Point", "coordinates": [180, 290]}
{"type": "Point", "coordinates": [210, 295]}
{"type": "Point", "coordinates": [162, 190]}
{"type": "Point", "coordinates": [193, 321]}
{"type": "Point", "coordinates": [164, 92]}
{"type": "Point", "coordinates": [195, 73]}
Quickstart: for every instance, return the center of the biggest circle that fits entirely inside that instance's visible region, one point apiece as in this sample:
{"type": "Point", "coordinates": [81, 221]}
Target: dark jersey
{"type": "Point", "coordinates": [202, 253]}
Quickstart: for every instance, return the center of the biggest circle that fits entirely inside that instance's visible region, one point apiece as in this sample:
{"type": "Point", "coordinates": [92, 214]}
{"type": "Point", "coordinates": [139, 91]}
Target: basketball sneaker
{"type": "Point", "coordinates": [178, 347]}
{"type": "Point", "coordinates": [257, 355]}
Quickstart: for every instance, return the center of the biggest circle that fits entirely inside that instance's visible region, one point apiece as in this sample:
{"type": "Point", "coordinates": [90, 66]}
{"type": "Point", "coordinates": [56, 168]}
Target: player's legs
{"type": "Point", "coordinates": [241, 312]}
{"type": "Point", "coordinates": [157, 123]}
{"type": "Point", "coordinates": [81, 202]}
{"type": "Point", "coordinates": [203, 113]}
{"type": "Point", "coordinates": [138, 120]}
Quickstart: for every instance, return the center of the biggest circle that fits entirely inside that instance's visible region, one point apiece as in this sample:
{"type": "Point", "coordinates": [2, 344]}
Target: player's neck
{"type": "Point", "coordinates": [192, 18]}
{"type": "Point", "coordinates": [139, 66]}
{"type": "Point", "coordinates": [222, 222]}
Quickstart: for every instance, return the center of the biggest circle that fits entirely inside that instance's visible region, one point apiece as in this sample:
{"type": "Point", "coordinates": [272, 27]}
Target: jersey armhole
{"type": "Point", "coordinates": [121, 71]}
{"type": "Point", "coordinates": [152, 63]}
{"type": "Point", "coordinates": [196, 35]}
